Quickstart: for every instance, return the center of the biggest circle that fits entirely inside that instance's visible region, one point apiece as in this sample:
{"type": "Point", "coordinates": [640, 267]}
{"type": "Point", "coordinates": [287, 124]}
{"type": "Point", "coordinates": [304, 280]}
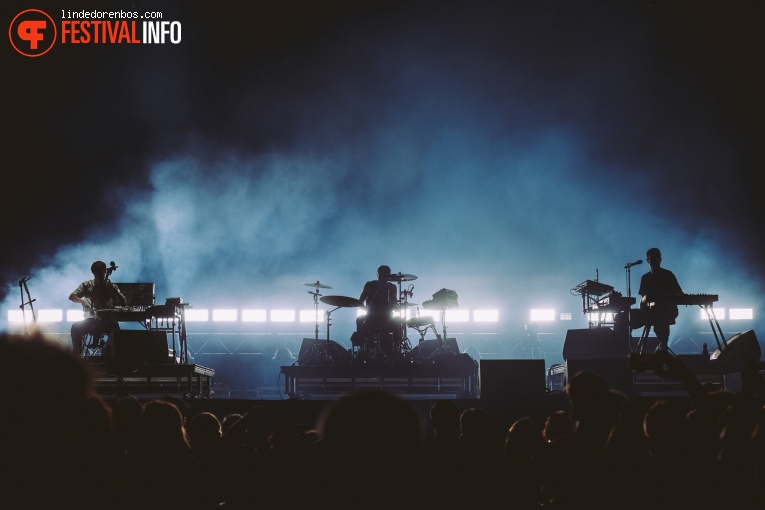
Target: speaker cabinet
{"type": "Point", "coordinates": [739, 350]}
{"type": "Point", "coordinates": [594, 343]}
{"type": "Point", "coordinates": [322, 352]}
{"type": "Point", "coordinates": [511, 378]}
{"type": "Point", "coordinates": [130, 349]}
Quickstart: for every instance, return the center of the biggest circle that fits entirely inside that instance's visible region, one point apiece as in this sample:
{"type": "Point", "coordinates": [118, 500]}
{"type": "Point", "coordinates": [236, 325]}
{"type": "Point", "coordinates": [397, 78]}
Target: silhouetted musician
{"type": "Point", "coordinates": [96, 294]}
{"type": "Point", "coordinates": [379, 296]}
{"type": "Point", "coordinates": [659, 314]}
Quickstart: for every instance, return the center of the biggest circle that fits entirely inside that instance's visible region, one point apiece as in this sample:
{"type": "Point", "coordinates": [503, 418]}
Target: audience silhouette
{"type": "Point", "coordinates": [61, 445]}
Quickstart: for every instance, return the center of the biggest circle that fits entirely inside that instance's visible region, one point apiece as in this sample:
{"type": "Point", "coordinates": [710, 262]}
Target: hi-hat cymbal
{"type": "Point", "coordinates": [400, 277]}
{"type": "Point", "coordinates": [342, 301]}
{"type": "Point", "coordinates": [318, 285]}
{"type": "Point", "coordinates": [403, 306]}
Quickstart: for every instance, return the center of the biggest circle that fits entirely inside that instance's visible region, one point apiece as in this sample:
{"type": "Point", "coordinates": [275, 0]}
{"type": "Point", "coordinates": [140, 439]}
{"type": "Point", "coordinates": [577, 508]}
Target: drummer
{"type": "Point", "coordinates": [379, 297]}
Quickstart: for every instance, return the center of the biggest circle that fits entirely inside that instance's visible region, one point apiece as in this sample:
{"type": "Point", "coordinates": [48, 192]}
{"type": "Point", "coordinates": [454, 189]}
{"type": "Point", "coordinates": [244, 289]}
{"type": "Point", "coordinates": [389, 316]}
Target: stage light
{"type": "Point", "coordinates": [50, 315]}
{"type": "Point", "coordinates": [718, 313]}
{"type": "Point", "coordinates": [282, 315]}
{"type": "Point", "coordinates": [74, 315]}
{"type": "Point", "coordinates": [405, 314]}
{"type": "Point", "coordinates": [600, 318]}
{"type": "Point", "coordinates": [542, 315]}
{"type": "Point", "coordinates": [736, 314]}
{"type": "Point", "coordinates": [197, 315]}
{"type": "Point", "coordinates": [433, 314]}
{"type": "Point", "coordinates": [565, 316]}
{"type": "Point", "coordinates": [361, 313]}
{"type": "Point", "coordinates": [310, 315]}
{"type": "Point", "coordinates": [254, 316]}
{"type": "Point", "coordinates": [224, 315]}
{"type": "Point", "coordinates": [457, 315]}
{"type": "Point", "coordinates": [18, 316]}
{"type": "Point", "coordinates": [485, 315]}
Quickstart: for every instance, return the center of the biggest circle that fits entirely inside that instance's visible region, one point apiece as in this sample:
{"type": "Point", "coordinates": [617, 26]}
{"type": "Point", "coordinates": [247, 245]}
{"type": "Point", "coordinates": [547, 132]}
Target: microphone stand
{"type": "Point", "coordinates": [628, 269]}
{"type": "Point", "coordinates": [23, 287]}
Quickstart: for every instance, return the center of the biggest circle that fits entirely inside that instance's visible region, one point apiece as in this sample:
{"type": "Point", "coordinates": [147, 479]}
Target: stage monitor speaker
{"type": "Point", "coordinates": [594, 343]}
{"type": "Point", "coordinates": [131, 349]}
{"type": "Point", "coordinates": [427, 348]}
{"type": "Point", "coordinates": [322, 352]}
{"type": "Point", "coordinates": [739, 350]}
{"type": "Point", "coordinates": [511, 378]}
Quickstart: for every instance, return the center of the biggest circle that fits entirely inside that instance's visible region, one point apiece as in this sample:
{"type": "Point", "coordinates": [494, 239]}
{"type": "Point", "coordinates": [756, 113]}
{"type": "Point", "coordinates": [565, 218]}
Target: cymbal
{"type": "Point", "coordinates": [342, 301]}
{"type": "Point", "coordinates": [416, 322]}
{"type": "Point", "coordinates": [318, 285]}
{"type": "Point", "coordinates": [400, 277]}
{"type": "Point", "coordinates": [403, 306]}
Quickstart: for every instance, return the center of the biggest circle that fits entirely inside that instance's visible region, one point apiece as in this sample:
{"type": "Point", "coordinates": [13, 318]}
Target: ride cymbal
{"type": "Point", "coordinates": [342, 301]}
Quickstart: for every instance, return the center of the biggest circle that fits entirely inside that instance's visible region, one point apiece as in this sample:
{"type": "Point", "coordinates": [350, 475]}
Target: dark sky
{"type": "Point", "coordinates": [505, 150]}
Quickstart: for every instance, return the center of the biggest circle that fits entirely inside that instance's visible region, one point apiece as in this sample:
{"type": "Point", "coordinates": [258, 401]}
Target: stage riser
{"type": "Point", "coordinates": [454, 377]}
{"type": "Point", "coordinates": [185, 381]}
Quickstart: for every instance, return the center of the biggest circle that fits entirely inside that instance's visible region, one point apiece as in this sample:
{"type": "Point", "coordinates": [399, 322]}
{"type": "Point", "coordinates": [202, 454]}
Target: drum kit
{"type": "Point", "coordinates": [383, 344]}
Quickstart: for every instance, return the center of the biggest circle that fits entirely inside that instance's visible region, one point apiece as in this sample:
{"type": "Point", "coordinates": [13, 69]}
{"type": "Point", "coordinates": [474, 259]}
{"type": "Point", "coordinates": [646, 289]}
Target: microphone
{"type": "Point", "coordinates": [637, 262]}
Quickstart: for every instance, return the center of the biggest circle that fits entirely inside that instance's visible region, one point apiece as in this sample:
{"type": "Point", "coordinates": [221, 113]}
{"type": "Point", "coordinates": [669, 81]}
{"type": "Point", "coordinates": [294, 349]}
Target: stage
{"type": "Point", "coordinates": [455, 377]}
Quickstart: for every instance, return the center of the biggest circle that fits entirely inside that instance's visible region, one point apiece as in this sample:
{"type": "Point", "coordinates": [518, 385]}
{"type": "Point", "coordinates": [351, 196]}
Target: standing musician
{"type": "Point", "coordinates": [379, 296]}
{"type": "Point", "coordinates": [655, 283]}
{"type": "Point", "coordinates": [96, 294]}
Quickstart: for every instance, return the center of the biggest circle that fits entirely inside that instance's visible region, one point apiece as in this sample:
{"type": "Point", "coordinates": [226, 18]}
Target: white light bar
{"type": "Point", "coordinates": [405, 314]}
{"type": "Point", "coordinates": [310, 315]}
{"type": "Point", "coordinates": [224, 315]}
{"type": "Point", "coordinates": [485, 315]}
{"type": "Point", "coordinates": [597, 318]}
{"type": "Point", "coordinates": [542, 315]}
{"type": "Point", "coordinates": [74, 315]}
{"type": "Point", "coordinates": [455, 315]}
{"type": "Point", "coordinates": [433, 314]}
{"type": "Point", "coordinates": [718, 313]}
{"type": "Point", "coordinates": [565, 316]}
{"type": "Point", "coordinates": [18, 316]}
{"type": "Point", "coordinates": [197, 315]}
{"type": "Point", "coordinates": [254, 315]}
{"type": "Point", "coordinates": [50, 315]}
{"type": "Point", "coordinates": [282, 315]}
{"type": "Point", "coordinates": [737, 314]}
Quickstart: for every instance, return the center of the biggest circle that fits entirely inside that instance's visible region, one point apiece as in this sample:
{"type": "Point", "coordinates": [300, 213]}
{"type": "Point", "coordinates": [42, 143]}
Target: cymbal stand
{"type": "Point", "coordinates": [316, 294]}
{"type": "Point", "coordinates": [423, 331]}
{"type": "Point", "coordinates": [404, 305]}
{"type": "Point", "coordinates": [23, 288]}
{"type": "Point", "coordinates": [441, 342]}
{"type": "Point", "coordinates": [326, 357]}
